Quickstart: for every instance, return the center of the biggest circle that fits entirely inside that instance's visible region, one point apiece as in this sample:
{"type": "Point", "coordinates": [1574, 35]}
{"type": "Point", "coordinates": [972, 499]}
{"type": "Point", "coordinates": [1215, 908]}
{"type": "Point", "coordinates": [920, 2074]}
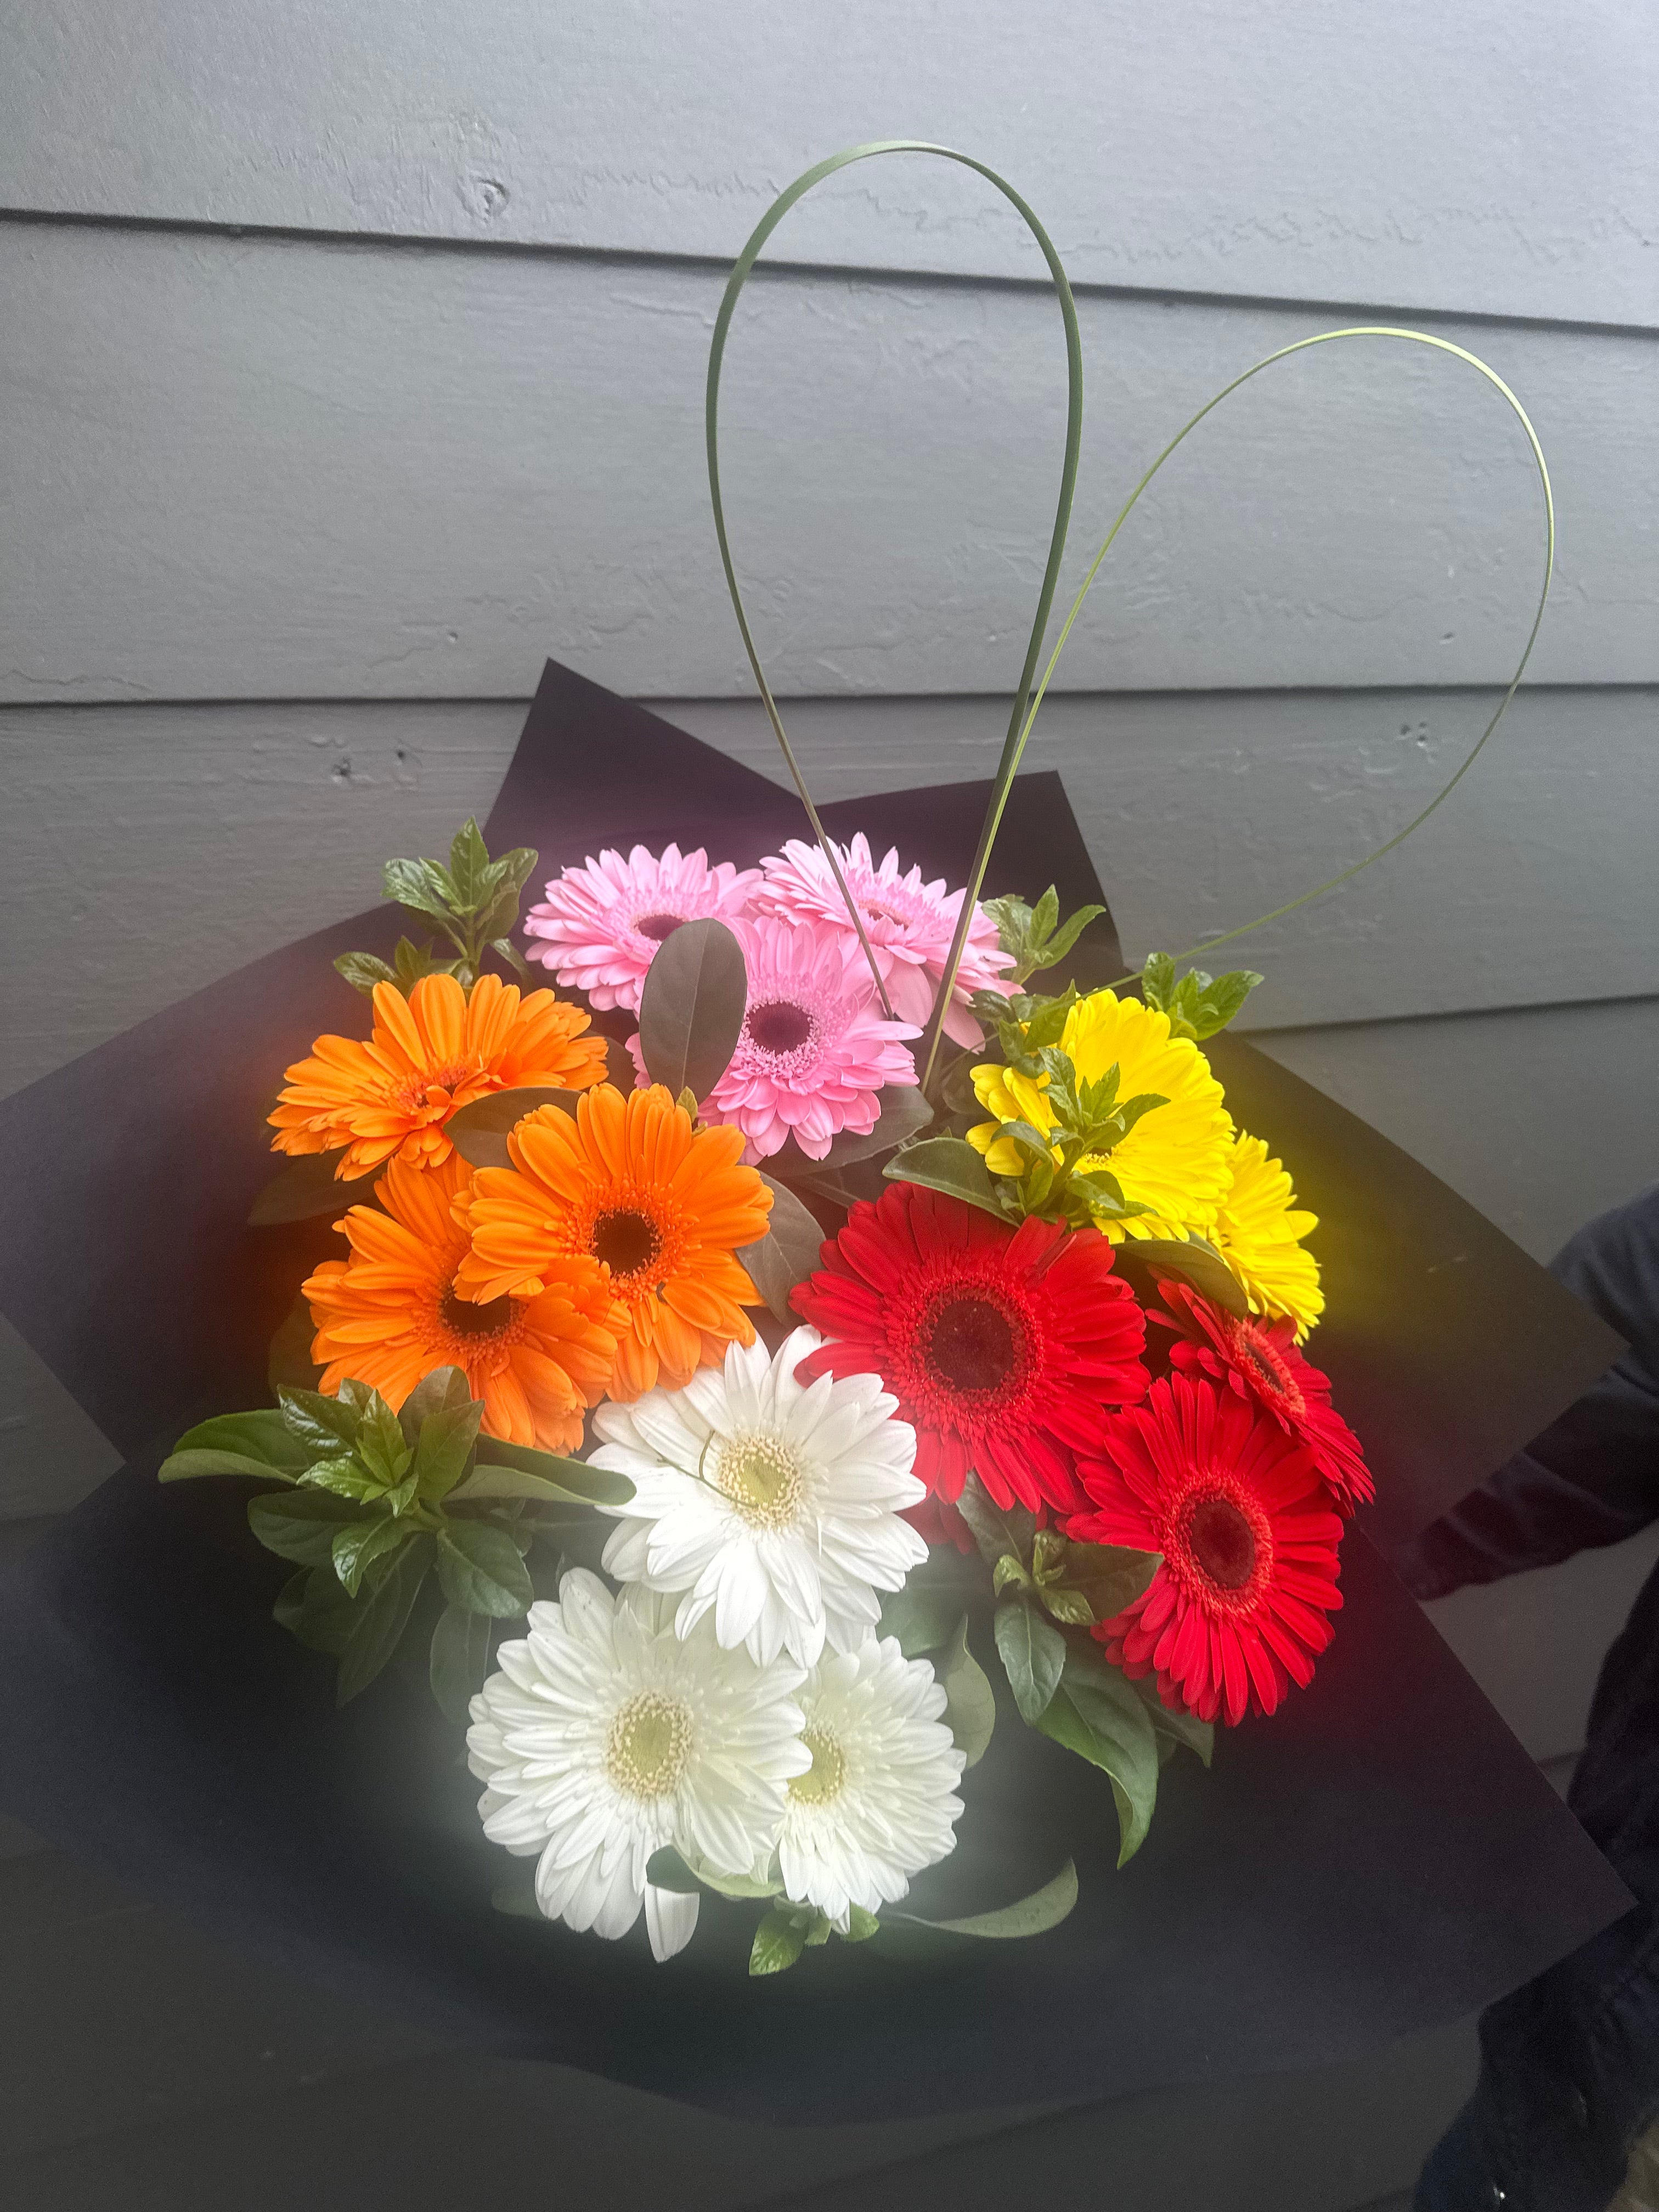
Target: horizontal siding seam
{"type": "Point", "coordinates": [796, 272]}
{"type": "Point", "coordinates": [667, 703]}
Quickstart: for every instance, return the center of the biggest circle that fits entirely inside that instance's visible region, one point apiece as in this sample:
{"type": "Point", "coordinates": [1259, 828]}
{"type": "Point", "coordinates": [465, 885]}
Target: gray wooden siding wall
{"type": "Point", "coordinates": [352, 362]}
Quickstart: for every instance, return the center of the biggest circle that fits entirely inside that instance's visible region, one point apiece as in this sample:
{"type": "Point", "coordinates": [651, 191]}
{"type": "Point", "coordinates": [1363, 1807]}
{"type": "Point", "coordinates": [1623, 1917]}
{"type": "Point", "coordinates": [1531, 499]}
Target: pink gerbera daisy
{"type": "Point", "coordinates": [910, 925]}
{"type": "Point", "coordinates": [602, 923]}
{"type": "Point", "coordinates": [815, 1053]}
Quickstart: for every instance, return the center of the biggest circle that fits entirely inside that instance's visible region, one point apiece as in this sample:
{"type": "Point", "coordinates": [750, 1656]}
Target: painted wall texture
{"type": "Point", "coordinates": [351, 361]}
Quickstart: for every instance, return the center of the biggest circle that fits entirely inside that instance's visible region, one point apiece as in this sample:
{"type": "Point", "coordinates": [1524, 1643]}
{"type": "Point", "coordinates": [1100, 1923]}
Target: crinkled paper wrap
{"type": "Point", "coordinates": [1380, 1857]}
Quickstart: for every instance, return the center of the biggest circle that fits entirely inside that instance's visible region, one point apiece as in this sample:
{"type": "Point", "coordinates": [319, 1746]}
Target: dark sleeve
{"type": "Point", "coordinates": [1592, 1476]}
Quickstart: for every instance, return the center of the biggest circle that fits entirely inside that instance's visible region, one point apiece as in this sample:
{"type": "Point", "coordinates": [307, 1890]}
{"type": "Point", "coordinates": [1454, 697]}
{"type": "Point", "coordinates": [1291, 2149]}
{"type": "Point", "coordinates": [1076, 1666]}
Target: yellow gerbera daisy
{"type": "Point", "coordinates": [1176, 1159]}
{"type": "Point", "coordinates": [1259, 1231]}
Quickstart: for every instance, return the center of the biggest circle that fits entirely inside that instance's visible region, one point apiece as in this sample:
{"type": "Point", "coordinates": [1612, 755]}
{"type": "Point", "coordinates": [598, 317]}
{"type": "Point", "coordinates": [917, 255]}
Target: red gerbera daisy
{"type": "Point", "coordinates": [1003, 1345]}
{"type": "Point", "coordinates": [1261, 1359]}
{"type": "Point", "coordinates": [1237, 1612]}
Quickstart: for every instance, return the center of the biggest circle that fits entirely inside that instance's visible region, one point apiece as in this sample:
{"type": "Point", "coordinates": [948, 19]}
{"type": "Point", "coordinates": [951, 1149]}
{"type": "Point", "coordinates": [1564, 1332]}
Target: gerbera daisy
{"type": "Point", "coordinates": [431, 1053]}
{"type": "Point", "coordinates": [879, 1802]}
{"type": "Point", "coordinates": [605, 1736]}
{"type": "Point", "coordinates": [1174, 1160]}
{"type": "Point", "coordinates": [1259, 1229]}
{"type": "Point", "coordinates": [601, 924]}
{"type": "Point", "coordinates": [816, 1050]}
{"type": "Point", "coordinates": [389, 1314]}
{"type": "Point", "coordinates": [772, 1503]}
{"type": "Point", "coordinates": [626, 1181]}
{"type": "Point", "coordinates": [1239, 1608]}
{"type": "Point", "coordinates": [1260, 1360]}
{"type": "Point", "coordinates": [1002, 1346]}
{"type": "Point", "coordinates": [909, 924]}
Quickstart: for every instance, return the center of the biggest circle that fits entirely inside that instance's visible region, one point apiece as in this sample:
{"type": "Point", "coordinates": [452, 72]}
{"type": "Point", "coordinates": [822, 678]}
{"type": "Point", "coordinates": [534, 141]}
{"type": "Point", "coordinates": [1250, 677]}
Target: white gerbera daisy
{"type": "Point", "coordinates": [605, 1736]}
{"type": "Point", "coordinates": [773, 1505]}
{"type": "Point", "coordinates": [879, 1802]}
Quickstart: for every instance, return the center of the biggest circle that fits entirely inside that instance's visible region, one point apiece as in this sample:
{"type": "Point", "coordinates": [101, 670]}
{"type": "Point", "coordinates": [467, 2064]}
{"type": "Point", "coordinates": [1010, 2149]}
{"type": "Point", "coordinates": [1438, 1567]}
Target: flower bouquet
{"type": "Point", "coordinates": [811, 1405]}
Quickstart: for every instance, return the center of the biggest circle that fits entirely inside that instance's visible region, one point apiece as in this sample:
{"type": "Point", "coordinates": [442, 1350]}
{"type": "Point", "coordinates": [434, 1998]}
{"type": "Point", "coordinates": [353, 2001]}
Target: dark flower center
{"type": "Point", "coordinates": [973, 1344]}
{"type": "Point", "coordinates": [779, 1027]}
{"type": "Point", "coordinates": [626, 1241]}
{"type": "Point", "coordinates": [1271, 1375]}
{"type": "Point", "coordinates": [466, 1319]}
{"type": "Point", "coordinates": [658, 925]}
{"type": "Point", "coordinates": [1223, 1542]}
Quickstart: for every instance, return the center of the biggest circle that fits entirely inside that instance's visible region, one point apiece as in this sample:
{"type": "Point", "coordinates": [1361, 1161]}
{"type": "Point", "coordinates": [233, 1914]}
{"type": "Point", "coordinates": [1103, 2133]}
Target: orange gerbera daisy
{"type": "Point", "coordinates": [627, 1181]}
{"type": "Point", "coordinates": [431, 1053]}
{"type": "Point", "coordinates": [389, 1314]}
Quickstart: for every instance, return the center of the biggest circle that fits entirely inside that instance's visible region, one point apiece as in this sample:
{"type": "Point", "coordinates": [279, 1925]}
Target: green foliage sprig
{"type": "Point", "coordinates": [374, 1500]}
{"type": "Point", "coordinates": [1197, 1003]}
{"type": "Point", "coordinates": [1049, 1591]}
{"type": "Point", "coordinates": [474, 901]}
{"type": "Point", "coordinates": [1034, 938]}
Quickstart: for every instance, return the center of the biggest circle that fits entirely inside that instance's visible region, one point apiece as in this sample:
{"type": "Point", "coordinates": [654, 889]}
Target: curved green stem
{"type": "Point", "coordinates": [1324, 337]}
{"type": "Point", "coordinates": [1015, 739]}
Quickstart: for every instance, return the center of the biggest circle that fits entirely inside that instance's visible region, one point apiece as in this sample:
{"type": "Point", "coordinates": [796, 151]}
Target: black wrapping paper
{"type": "Point", "coordinates": [1379, 1857]}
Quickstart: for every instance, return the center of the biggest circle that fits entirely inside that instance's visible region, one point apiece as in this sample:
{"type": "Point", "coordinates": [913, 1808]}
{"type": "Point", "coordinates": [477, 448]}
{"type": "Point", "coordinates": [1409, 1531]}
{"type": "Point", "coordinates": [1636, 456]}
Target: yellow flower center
{"type": "Point", "coordinates": [826, 1777]}
{"type": "Point", "coordinates": [762, 1476]}
{"type": "Point", "coordinates": [649, 1744]}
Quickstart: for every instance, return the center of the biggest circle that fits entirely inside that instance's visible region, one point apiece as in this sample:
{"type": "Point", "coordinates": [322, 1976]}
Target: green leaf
{"type": "Point", "coordinates": [575, 1483]}
{"type": "Point", "coordinates": [380, 1444]}
{"type": "Point", "coordinates": [447, 1437]}
{"type": "Point", "coordinates": [1008, 1570]}
{"type": "Point", "coordinates": [778, 1941]}
{"type": "Point", "coordinates": [1110, 1576]}
{"type": "Point", "coordinates": [970, 1705]}
{"type": "Point", "coordinates": [1033, 1655]}
{"type": "Point", "coordinates": [505, 948]}
{"type": "Point", "coordinates": [1035, 1915]}
{"type": "Point", "coordinates": [481, 1569]}
{"type": "Point", "coordinates": [259, 1443]}
{"type": "Point", "coordinates": [315, 1611]}
{"type": "Point", "coordinates": [459, 1661]}
{"type": "Point", "coordinates": [1100, 1715]}
{"type": "Point", "coordinates": [920, 1617]}
{"type": "Point", "coordinates": [1068, 1607]}
{"type": "Point", "coordinates": [413, 962]}
{"type": "Point", "coordinates": [441, 1388]}
{"type": "Point", "coordinates": [861, 1925]}
{"type": "Point", "coordinates": [363, 970]}
{"type": "Point", "coordinates": [997, 1529]}
{"type": "Point", "coordinates": [1157, 979]}
{"type": "Point", "coordinates": [904, 1112]}
{"type": "Point", "coordinates": [304, 1187]}
{"type": "Point", "coordinates": [323, 1423]}
{"type": "Point", "coordinates": [1222, 1000]}
{"type": "Point", "coordinates": [468, 866]}
{"type": "Point", "coordinates": [670, 1869]}
{"type": "Point", "coordinates": [382, 1615]}
{"type": "Point", "coordinates": [421, 885]}
{"type": "Point", "coordinates": [479, 1132]}
{"type": "Point", "coordinates": [1055, 948]}
{"type": "Point", "coordinates": [788, 1254]}
{"type": "Point", "coordinates": [949, 1164]}
{"type": "Point", "coordinates": [692, 1007]}
{"type": "Point", "coordinates": [359, 1544]}
{"type": "Point", "coordinates": [1176, 1727]}
{"type": "Point", "coordinates": [342, 1477]}
{"type": "Point", "coordinates": [1195, 1263]}
{"type": "Point", "coordinates": [299, 1524]}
